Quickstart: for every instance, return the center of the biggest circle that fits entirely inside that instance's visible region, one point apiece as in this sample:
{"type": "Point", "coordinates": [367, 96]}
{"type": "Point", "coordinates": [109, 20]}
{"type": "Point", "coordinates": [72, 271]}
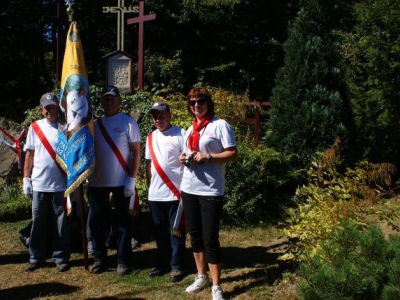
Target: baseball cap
{"type": "Point", "coordinates": [48, 99]}
{"type": "Point", "coordinates": [159, 106]}
{"type": "Point", "coordinates": [110, 90]}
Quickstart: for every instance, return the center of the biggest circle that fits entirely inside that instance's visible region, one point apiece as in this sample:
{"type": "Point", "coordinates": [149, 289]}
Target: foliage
{"type": "Point", "coordinates": [334, 195]}
{"type": "Point", "coordinates": [391, 289]}
{"type": "Point", "coordinates": [307, 103]}
{"type": "Point", "coordinates": [258, 185]}
{"type": "Point", "coordinates": [13, 204]}
{"type": "Point", "coordinates": [352, 264]}
{"type": "Point", "coordinates": [371, 51]}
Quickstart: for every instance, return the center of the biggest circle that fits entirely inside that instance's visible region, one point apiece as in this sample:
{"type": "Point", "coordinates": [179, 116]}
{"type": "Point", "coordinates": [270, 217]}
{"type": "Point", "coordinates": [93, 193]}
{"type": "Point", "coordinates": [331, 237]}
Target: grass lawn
{"type": "Point", "coordinates": [249, 272]}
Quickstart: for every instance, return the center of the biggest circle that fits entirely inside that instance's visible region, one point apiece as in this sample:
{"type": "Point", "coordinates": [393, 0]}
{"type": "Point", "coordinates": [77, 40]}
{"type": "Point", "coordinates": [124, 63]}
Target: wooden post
{"type": "Point", "coordinates": [141, 19]}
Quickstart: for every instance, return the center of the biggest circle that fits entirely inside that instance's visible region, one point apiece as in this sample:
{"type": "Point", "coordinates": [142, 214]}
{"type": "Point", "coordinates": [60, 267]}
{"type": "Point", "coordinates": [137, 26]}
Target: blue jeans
{"type": "Point", "coordinates": [170, 248]}
{"type": "Point", "coordinates": [48, 210]}
{"type": "Point", "coordinates": [99, 222]}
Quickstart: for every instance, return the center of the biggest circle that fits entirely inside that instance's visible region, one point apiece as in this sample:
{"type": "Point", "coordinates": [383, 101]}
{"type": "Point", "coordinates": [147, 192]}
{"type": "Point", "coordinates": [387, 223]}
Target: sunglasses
{"type": "Point", "coordinates": [49, 107]}
{"type": "Point", "coordinates": [199, 101]}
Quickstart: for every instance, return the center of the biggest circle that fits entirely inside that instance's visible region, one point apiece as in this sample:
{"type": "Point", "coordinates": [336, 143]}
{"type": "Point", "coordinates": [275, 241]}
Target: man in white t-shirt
{"type": "Point", "coordinates": [45, 182]}
{"type": "Point", "coordinates": [117, 147]}
{"type": "Point", "coordinates": [164, 175]}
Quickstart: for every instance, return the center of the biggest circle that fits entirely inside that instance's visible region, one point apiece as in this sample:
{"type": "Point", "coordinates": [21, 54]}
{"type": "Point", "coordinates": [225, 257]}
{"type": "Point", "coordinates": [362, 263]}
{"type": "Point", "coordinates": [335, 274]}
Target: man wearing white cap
{"type": "Point", "coordinates": [164, 174]}
{"type": "Point", "coordinates": [117, 144]}
{"type": "Point", "coordinates": [45, 182]}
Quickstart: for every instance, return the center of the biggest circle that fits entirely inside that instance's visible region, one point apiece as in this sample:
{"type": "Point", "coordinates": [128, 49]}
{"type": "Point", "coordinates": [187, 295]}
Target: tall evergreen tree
{"type": "Point", "coordinates": [307, 102]}
{"type": "Point", "coordinates": [373, 57]}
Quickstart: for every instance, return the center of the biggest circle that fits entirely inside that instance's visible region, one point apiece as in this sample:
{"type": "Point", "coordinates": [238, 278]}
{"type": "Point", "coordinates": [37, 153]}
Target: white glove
{"type": "Point", "coordinates": [27, 187]}
{"type": "Point", "coordinates": [129, 189]}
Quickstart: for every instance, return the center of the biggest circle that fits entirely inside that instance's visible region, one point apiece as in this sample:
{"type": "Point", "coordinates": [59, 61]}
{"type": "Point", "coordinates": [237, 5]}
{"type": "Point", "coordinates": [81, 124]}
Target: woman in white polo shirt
{"type": "Point", "coordinates": [209, 145]}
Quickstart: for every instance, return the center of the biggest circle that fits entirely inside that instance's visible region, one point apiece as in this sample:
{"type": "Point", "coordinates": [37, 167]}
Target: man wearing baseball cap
{"type": "Point", "coordinates": [45, 182]}
{"type": "Point", "coordinates": [164, 175]}
{"type": "Point", "coordinates": [117, 144]}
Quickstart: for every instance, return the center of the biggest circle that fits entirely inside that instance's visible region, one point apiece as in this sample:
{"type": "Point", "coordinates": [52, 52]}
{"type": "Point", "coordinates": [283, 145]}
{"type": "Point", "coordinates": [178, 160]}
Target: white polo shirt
{"type": "Point", "coordinates": [46, 175]}
{"type": "Point", "coordinates": [168, 146]}
{"type": "Point", "coordinates": [108, 171]}
{"type": "Point", "coordinates": [208, 179]}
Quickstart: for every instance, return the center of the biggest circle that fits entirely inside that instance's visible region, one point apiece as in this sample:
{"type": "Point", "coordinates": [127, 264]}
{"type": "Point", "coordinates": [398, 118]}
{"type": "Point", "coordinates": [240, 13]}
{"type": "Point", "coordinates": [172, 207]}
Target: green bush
{"type": "Point", "coordinates": [391, 290]}
{"type": "Point", "coordinates": [349, 266]}
{"type": "Point", "coordinates": [14, 205]}
{"type": "Point", "coordinates": [352, 264]}
{"type": "Point", "coordinates": [334, 195]}
{"type": "Point", "coordinates": [258, 185]}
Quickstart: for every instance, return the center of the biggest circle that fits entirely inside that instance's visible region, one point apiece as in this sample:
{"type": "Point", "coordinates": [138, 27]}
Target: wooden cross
{"type": "Point", "coordinates": [141, 19]}
{"type": "Point", "coordinates": [121, 11]}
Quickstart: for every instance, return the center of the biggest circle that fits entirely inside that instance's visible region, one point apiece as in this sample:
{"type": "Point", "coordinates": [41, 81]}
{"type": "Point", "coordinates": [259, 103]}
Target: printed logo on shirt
{"type": "Point", "coordinates": [117, 129]}
{"type": "Point", "coordinates": [209, 134]}
{"type": "Point", "coordinates": [169, 143]}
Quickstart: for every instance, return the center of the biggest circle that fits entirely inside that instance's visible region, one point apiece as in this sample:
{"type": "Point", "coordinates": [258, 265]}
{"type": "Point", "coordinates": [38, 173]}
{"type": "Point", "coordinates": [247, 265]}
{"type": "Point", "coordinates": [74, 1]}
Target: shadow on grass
{"type": "Point", "coordinates": [15, 258]}
{"type": "Point", "coordinates": [38, 290]}
{"type": "Point", "coordinates": [263, 268]}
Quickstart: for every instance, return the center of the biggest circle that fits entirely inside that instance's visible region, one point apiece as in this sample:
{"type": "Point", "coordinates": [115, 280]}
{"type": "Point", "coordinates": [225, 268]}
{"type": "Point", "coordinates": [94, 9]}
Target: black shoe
{"type": "Point", "coordinates": [157, 272]}
{"type": "Point", "coordinates": [176, 275]}
{"type": "Point", "coordinates": [62, 267]}
{"type": "Point", "coordinates": [32, 266]}
{"type": "Point", "coordinates": [123, 269]}
{"type": "Point", "coordinates": [97, 267]}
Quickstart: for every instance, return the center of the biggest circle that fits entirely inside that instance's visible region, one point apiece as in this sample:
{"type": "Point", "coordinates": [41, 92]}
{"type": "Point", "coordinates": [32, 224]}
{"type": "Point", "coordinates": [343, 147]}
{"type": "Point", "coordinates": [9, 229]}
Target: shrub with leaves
{"type": "Point", "coordinates": [258, 185]}
{"type": "Point", "coordinates": [13, 204]}
{"type": "Point", "coordinates": [350, 265]}
{"type": "Point", "coordinates": [334, 195]}
{"type": "Point", "coordinates": [391, 290]}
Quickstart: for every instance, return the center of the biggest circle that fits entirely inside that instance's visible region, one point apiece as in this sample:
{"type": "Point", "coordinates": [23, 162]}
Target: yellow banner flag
{"type": "Point", "coordinates": [75, 148]}
{"type": "Point", "coordinates": [74, 62]}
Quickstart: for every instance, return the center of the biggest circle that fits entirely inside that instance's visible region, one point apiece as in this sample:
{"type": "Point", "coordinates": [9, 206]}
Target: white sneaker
{"type": "Point", "coordinates": [217, 293]}
{"type": "Point", "coordinates": [200, 282]}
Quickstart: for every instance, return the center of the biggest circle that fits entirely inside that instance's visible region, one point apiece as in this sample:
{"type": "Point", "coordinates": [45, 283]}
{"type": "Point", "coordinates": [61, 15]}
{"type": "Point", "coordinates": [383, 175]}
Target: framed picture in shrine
{"type": "Point", "coordinates": [119, 71]}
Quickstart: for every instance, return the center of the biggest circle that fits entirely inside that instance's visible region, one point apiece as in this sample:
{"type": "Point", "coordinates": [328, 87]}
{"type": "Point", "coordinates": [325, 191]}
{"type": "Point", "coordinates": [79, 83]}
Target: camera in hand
{"type": "Point", "coordinates": [188, 162]}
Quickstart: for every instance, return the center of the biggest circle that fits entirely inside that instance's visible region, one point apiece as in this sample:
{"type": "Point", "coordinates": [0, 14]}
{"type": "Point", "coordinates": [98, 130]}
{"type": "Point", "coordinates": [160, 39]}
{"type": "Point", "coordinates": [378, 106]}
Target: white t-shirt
{"type": "Point", "coordinates": [168, 146]}
{"type": "Point", "coordinates": [46, 175]}
{"type": "Point", "coordinates": [108, 171]}
{"type": "Point", "coordinates": [208, 179]}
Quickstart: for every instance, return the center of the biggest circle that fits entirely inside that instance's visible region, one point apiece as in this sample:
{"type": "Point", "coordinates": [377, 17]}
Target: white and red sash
{"type": "Point", "coordinates": [36, 128]}
{"type": "Point", "coordinates": [134, 200]}
{"type": "Point", "coordinates": [162, 170]}
{"type": "Point", "coordinates": [46, 144]}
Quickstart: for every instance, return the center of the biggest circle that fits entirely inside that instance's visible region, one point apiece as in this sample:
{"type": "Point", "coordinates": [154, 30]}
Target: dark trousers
{"type": "Point", "coordinates": [99, 224]}
{"type": "Point", "coordinates": [203, 216]}
{"type": "Point", "coordinates": [170, 248]}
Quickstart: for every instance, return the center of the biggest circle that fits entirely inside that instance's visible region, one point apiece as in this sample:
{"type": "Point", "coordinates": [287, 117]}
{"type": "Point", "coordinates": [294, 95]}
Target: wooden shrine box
{"type": "Point", "coordinates": [119, 71]}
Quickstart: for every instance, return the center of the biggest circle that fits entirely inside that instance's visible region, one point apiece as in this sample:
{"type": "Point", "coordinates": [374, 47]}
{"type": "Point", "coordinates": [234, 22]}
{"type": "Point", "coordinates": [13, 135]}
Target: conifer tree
{"type": "Point", "coordinates": [373, 60]}
{"type": "Point", "coordinates": [307, 102]}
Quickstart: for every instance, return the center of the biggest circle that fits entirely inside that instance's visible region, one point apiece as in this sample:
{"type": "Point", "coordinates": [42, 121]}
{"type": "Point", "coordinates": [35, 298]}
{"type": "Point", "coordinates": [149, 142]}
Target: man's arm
{"type": "Point", "coordinates": [135, 162]}
{"type": "Point", "coordinates": [28, 165]}
{"type": "Point", "coordinates": [148, 172]}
